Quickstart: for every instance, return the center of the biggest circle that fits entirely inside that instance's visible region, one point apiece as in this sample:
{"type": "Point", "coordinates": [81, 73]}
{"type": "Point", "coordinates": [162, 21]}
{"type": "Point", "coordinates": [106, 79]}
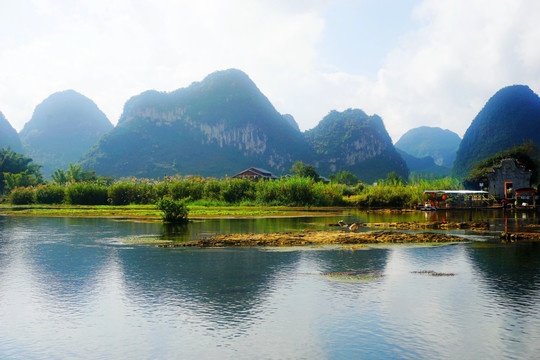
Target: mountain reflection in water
{"type": "Point", "coordinates": [82, 288]}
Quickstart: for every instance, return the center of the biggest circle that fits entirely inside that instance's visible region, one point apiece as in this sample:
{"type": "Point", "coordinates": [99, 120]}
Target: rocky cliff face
{"type": "Point", "coordinates": [354, 141]}
{"type": "Point", "coordinates": [218, 126]}
{"type": "Point", "coordinates": [8, 136]}
{"type": "Point", "coordinates": [62, 128]}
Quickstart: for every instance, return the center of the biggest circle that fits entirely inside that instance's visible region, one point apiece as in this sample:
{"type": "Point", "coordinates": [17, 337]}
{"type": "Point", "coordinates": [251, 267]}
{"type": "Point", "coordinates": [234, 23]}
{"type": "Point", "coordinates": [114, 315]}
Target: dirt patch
{"type": "Point", "coordinates": [318, 237]}
{"type": "Point", "coordinates": [520, 236]}
{"type": "Point", "coordinates": [434, 225]}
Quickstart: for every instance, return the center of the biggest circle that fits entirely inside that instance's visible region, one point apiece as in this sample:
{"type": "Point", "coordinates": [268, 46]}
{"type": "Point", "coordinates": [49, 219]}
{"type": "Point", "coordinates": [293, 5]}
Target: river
{"type": "Point", "coordinates": [74, 288]}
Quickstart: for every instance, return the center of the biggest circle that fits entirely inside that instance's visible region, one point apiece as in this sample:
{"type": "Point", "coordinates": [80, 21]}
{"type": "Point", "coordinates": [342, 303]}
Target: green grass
{"type": "Point", "coordinates": [150, 212]}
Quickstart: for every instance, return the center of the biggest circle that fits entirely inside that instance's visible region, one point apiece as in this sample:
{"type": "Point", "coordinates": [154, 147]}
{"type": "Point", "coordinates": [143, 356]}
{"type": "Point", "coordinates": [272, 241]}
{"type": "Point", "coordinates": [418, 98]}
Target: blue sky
{"type": "Point", "coordinates": [413, 62]}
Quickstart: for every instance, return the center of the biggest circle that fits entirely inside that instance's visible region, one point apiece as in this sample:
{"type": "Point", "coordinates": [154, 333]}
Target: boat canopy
{"type": "Point", "coordinates": [457, 192]}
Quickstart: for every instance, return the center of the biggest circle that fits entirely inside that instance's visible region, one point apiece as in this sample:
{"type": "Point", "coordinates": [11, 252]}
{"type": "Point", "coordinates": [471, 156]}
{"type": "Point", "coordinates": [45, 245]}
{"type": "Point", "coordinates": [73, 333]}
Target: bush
{"type": "Point", "coordinates": [22, 196]}
{"type": "Point", "coordinates": [87, 194]}
{"type": "Point", "coordinates": [174, 211]}
{"type": "Point", "coordinates": [50, 194]}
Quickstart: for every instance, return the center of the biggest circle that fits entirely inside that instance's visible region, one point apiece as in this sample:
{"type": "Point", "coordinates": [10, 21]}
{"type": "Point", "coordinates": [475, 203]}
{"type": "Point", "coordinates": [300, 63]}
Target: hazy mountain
{"type": "Point", "coordinates": [63, 127]}
{"type": "Point", "coordinates": [435, 142]}
{"type": "Point", "coordinates": [8, 135]}
{"type": "Point", "coordinates": [510, 117]}
{"type": "Point", "coordinates": [424, 166]}
{"type": "Point", "coordinates": [218, 126]}
{"type": "Point", "coordinates": [354, 141]}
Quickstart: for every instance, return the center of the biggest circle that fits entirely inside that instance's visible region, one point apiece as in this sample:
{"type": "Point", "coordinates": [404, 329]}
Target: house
{"type": "Point", "coordinates": [255, 174]}
{"type": "Point", "coordinates": [505, 178]}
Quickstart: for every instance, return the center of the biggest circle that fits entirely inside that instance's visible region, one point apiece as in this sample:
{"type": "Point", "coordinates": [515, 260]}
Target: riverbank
{"type": "Point", "coordinates": [317, 237]}
{"type": "Point", "coordinates": [151, 213]}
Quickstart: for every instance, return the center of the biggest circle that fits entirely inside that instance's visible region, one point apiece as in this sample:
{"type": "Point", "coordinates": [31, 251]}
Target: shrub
{"type": "Point", "coordinates": [22, 196]}
{"type": "Point", "coordinates": [86, 194]}
{"type": "Point", "coordinates": [50, 194]}
{"type": "Point", "coordinates": [174, 211]}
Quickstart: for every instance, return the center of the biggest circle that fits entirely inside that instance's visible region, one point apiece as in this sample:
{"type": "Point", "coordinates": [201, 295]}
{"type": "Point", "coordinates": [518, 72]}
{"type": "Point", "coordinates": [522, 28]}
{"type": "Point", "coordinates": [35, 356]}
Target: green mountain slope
{"type": "Point", "coordinates": [215, 127]}
{"type": "Point", "coordinates": [8, 135]}
{"type": "Point", "coordinates": [63, 127]}
{"type": "Point", "coordinates": [354, 141]}
{"type": "Point", "coordinates": [511, 117]}
{"type": "Point", "coordinates": [435, 142]}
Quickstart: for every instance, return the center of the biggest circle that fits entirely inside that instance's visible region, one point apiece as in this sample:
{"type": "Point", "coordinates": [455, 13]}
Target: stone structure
{"type": "Point", "coordinates": [506, 178]}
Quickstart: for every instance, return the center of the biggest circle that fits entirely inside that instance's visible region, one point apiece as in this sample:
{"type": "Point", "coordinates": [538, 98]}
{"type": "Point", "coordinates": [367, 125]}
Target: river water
{"type": "Point", "coordinates": [99, 289]}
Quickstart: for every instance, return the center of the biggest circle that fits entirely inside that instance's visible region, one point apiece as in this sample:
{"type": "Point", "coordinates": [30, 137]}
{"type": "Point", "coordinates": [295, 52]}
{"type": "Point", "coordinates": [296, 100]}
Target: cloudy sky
{"type": "Point", "coordinates": [413, 62]}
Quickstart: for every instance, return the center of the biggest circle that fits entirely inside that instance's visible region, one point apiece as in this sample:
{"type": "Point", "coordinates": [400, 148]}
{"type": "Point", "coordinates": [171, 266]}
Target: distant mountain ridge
{"type": "Point", "coordinates": [62, 128]}
{"type": "Point", "coordinates": [439, 144]}
{"type": "Point", "coordinates": [510, 117]}
{"type": "Point", "coordinates": [224, 124]}
{"type": "Point", "coordinates": [8, 135]}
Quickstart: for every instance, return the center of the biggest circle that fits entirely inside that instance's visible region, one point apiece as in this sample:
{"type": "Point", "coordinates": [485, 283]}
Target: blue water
{"type": "Point", "coordinates": [85, 289]}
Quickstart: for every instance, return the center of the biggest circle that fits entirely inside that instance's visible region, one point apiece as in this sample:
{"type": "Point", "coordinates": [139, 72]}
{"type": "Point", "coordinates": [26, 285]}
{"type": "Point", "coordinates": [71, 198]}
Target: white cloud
{"type": "Point", "coordinates": [444, 72]}
{"type": "Point", "coordinates": [441, 73]}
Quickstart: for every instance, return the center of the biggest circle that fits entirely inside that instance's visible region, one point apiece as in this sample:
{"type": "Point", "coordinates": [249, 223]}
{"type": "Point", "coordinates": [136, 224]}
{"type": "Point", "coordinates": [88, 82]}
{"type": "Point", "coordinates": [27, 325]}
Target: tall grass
{"type": "Point", "coordinates": [400, 194]}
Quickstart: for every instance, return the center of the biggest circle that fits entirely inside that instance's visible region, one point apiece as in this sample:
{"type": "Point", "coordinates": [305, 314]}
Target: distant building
{"type": "Point", "coordinates": [506, 178]}
{"type": "Point", "coordinates": [255, 174]}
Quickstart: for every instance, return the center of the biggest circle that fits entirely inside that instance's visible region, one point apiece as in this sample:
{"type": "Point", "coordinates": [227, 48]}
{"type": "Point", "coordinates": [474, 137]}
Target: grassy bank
{"type": "Point", "coordinates": [150, 213]}
{"type": "Point", "coordinates": [225, 197]}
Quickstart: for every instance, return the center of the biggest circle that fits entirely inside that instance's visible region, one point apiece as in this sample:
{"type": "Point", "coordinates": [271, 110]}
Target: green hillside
{"type": "Point", "coordinates": [63, 127]}
{"type": "Point", "coordinates": [215, 127]}
{"type": "Point", "coordinates": [351, 140]}
{"type": "Point", "coordinates": [511, 117]}
{"type": "Point", "coordinates": [439, 144]}
{"type": "Point", "coordinates": [8, 135]}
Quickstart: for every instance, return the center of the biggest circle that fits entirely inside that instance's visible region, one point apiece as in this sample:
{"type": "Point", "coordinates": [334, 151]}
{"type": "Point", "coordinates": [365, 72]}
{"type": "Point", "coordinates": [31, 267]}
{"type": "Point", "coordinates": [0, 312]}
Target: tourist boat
{"type": "Point", "coordinates": [456, 199]}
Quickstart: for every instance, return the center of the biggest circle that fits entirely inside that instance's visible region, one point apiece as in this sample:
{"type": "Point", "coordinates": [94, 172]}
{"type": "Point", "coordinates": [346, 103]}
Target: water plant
{"type": "Point", "coordinates": [174, 211]}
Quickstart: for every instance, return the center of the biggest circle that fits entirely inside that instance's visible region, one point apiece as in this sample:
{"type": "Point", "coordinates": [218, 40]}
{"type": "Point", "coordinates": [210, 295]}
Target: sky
{"type": "Point", "coordinates": [412, 62]}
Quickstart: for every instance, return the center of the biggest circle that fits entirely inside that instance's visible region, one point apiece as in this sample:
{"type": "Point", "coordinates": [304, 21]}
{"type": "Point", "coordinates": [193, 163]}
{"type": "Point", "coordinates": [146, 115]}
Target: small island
{"type": "Point", "coordinates": [317, 237]}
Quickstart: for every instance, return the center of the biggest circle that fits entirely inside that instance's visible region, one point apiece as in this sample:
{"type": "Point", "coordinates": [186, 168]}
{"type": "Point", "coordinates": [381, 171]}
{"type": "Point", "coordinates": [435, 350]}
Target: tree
{"type": "Point", "coordinates": [73, 174]}
{"type": "Point", "coordinates": [302, 170]}
{"type": "Point", "coordinates": [17, 170]}
{"type": "Point", "coordinates": [393, 179]}
{"type": "Point", "coordinates": [344, 177]}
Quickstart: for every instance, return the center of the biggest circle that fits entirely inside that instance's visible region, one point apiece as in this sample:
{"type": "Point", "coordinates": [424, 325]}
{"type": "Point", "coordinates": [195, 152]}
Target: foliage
{"type": "Point", "coordinates": [50, 194]}
{"type": "Point", "coordinates": [87, 194]}
{"type": "Point", "coordinates": [191, 187]}
{"type": "Point", "coordinates": [22, 196]}
{"type": "Point", "coordinates": [302, 170]}
{"type": "Point", "coordinates": [236, 190]}
{"type": "Point", "coordinates": [174, 211]}
{"type": "Point", "coordinates": [396, 194]}
{"type": "Point", "coordinates": [17, 170]}
{"type": "Point", "coordinates": [344, 177]}
{"type": "Point", "coordinates": [74, 173]}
